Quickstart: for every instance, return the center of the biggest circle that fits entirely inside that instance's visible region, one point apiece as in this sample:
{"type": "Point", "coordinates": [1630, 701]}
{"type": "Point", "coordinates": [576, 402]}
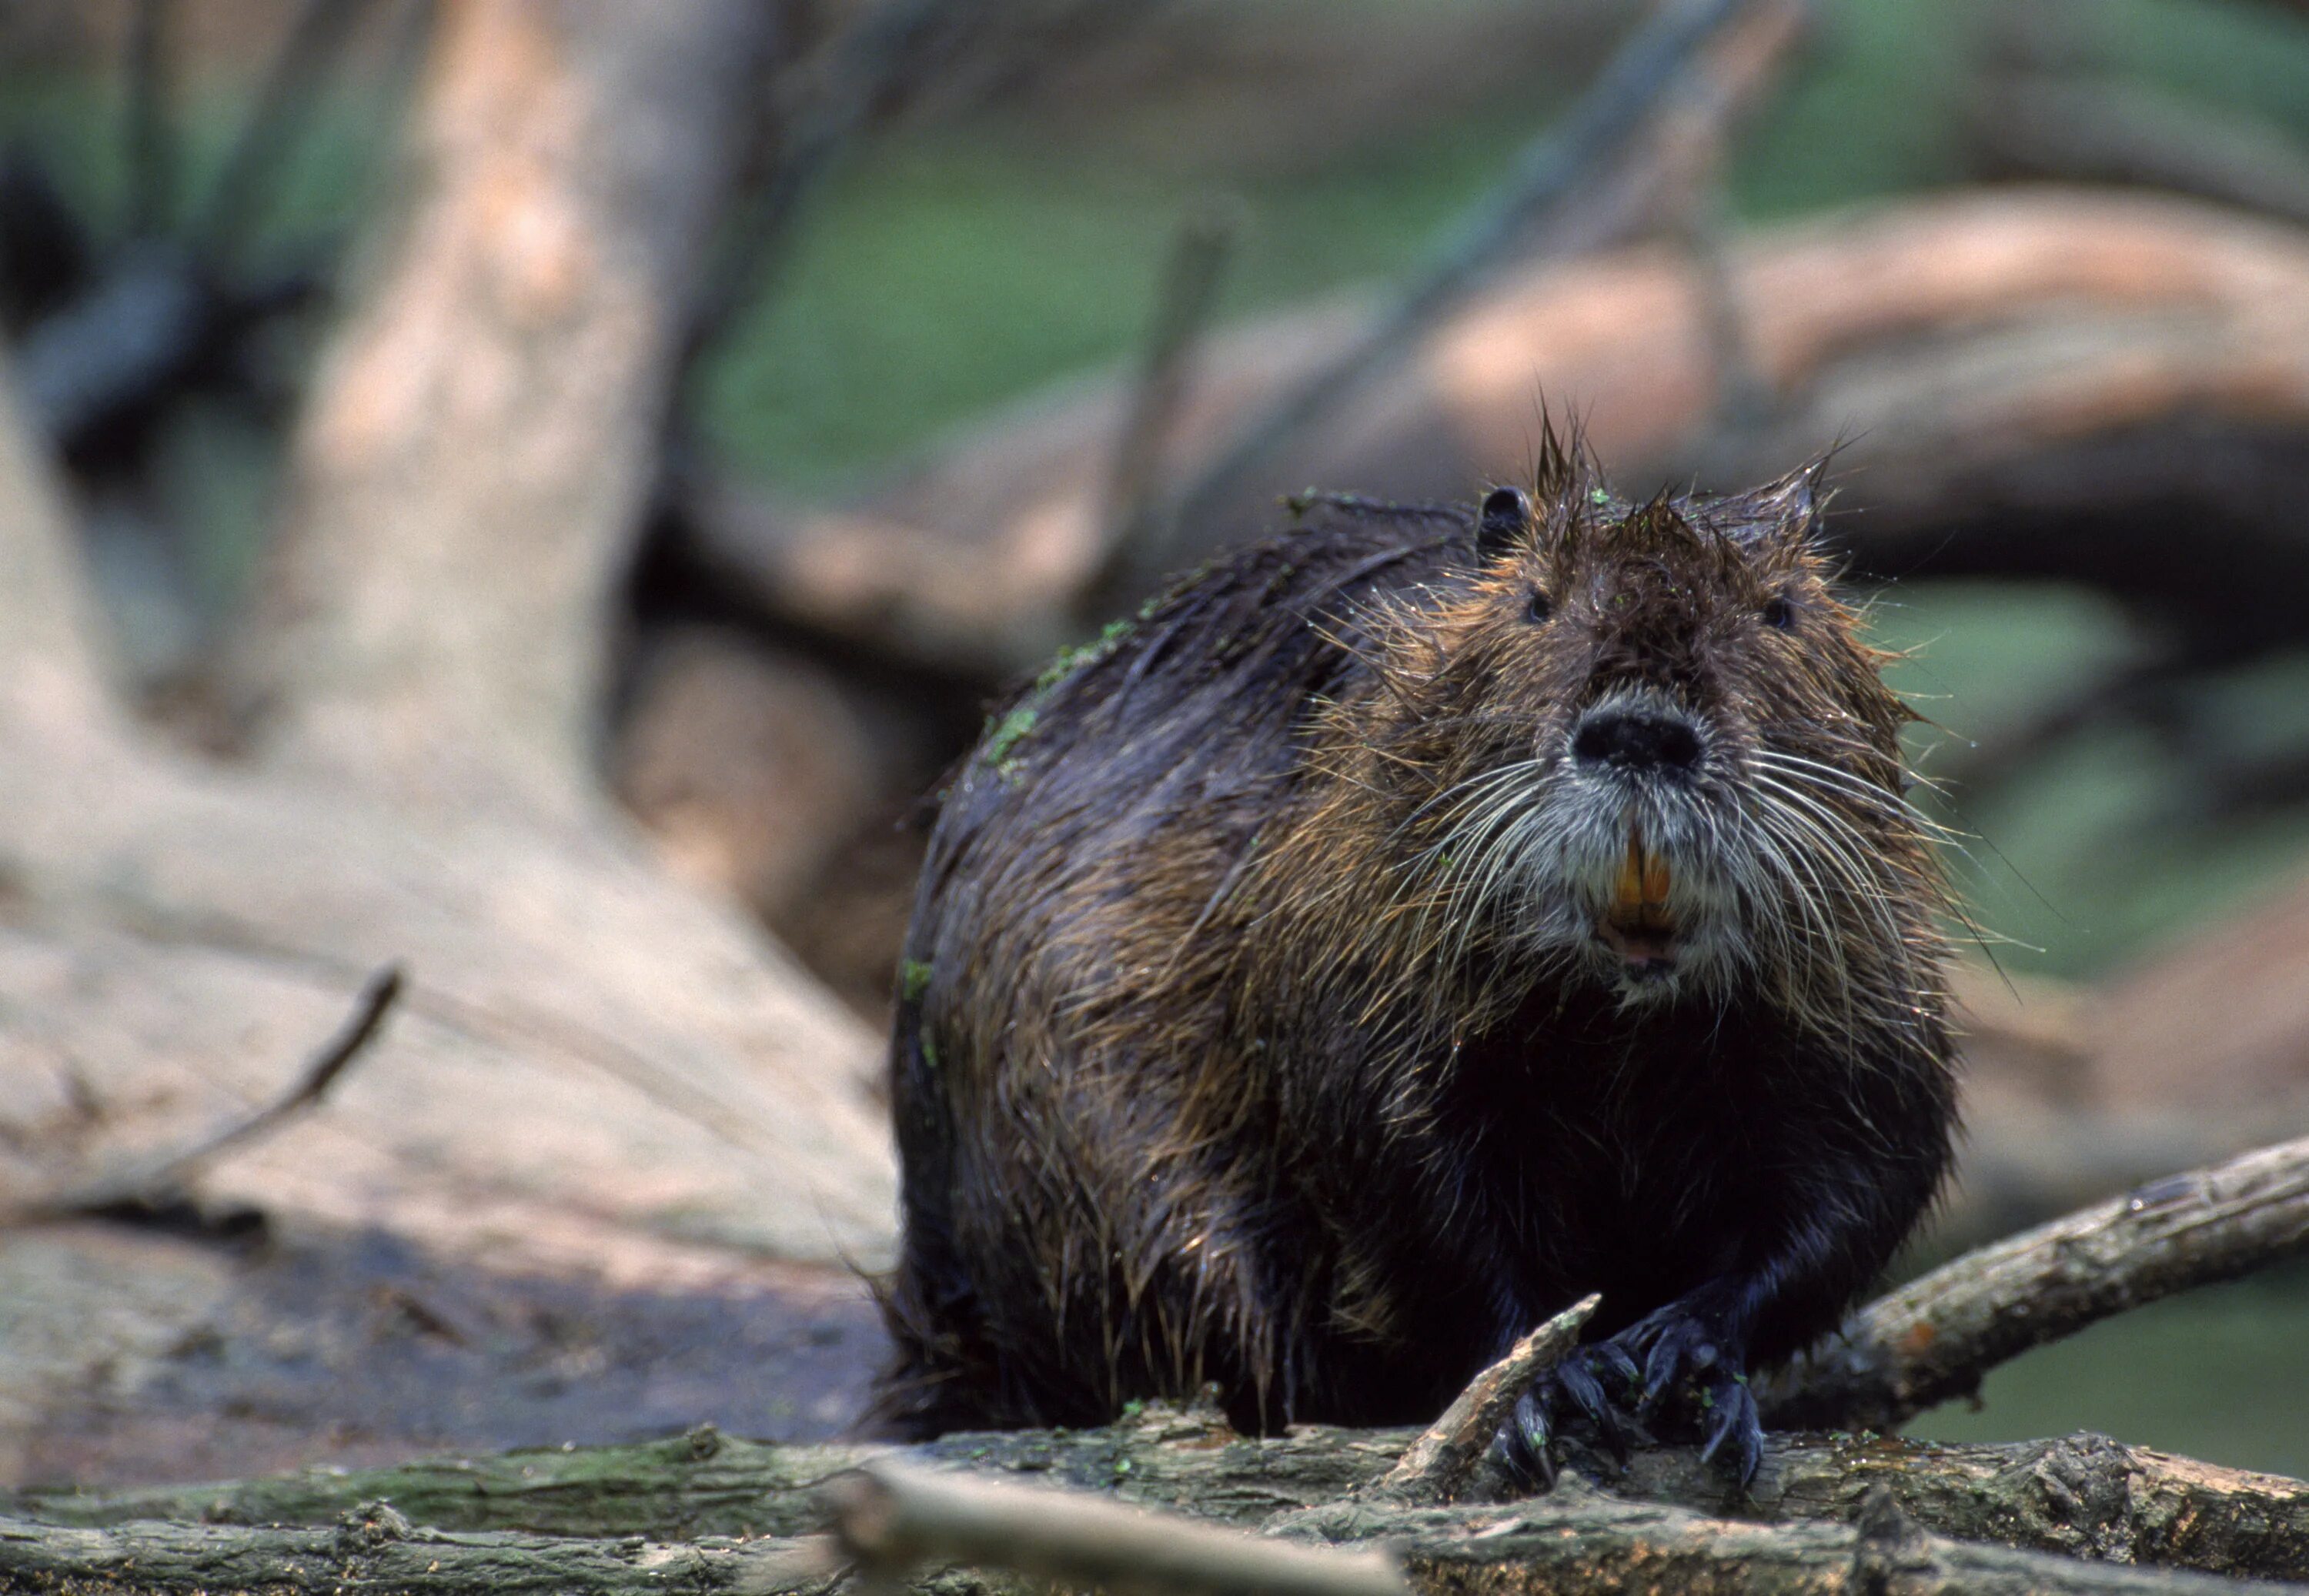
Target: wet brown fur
{"type": "Point", "coordinates": [1232, 1048]}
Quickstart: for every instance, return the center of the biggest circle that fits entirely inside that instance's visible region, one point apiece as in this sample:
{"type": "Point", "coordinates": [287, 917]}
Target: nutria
{"type": "Point", "coordinates": [1404, 928]}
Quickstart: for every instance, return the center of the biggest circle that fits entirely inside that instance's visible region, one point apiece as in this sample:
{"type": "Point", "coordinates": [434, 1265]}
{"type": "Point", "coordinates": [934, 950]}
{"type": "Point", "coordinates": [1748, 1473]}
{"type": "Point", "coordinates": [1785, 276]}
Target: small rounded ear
{"type": "Point", "coordinates": [1504, 521]}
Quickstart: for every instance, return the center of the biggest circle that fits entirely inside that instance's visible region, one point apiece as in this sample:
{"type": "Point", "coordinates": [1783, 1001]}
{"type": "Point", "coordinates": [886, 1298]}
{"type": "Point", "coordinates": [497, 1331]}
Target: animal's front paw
{"type": "Point", "coordinates": [1593, 1392]}
{"type": "Point", "coordinates": [1695, 1376]}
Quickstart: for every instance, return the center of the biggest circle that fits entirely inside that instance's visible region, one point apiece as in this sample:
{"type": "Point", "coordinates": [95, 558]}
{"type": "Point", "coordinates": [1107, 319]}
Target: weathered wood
{"type": "Point", "coordinates": [595, 1073]}
{"type": "Point", "coordinates": [1934, 1338]}
{"type": "Point", "coordinates": [377, 1550]}
{"type": "Point", "coordinates": [705, 1483]}
{"type": "Point", "coordinates": [1436, 1465]}
{"type": "Point", "coordinates": [892, 1518]}
{"type": "Point", "coordinates": [174, 928]}
{"type": "Point", "coordinates": [1577, 1538]}
{"type": "Point", "coordinates": [467, 480]}
{"type": "Point", "coordinates": [2084, 1496]}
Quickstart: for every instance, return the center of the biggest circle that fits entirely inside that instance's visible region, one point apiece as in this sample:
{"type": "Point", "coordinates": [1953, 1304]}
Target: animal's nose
{"type": "Point", "coordinates": [1637, 741]}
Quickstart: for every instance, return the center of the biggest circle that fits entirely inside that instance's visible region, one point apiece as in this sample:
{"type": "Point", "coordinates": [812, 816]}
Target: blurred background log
{"type": "Point", "coordinates": [603, 1086]}
{"type": "Point", "coordinates": [436, 615]}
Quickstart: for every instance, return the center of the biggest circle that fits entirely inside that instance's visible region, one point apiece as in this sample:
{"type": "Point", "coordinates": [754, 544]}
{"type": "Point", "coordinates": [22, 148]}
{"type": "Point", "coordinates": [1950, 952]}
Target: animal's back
{"type": "Point", "coordinates": [1063, 1147]}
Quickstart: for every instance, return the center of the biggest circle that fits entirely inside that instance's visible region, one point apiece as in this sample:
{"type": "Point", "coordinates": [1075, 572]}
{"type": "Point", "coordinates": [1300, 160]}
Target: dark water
{"type": "Point", "coordinates": [2221, 1375]}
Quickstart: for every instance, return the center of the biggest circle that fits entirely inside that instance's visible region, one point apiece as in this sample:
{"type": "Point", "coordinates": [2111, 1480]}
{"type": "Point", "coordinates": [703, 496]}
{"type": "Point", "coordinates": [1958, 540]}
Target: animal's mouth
{"type": "Point", "coordinates": [1636, 925]}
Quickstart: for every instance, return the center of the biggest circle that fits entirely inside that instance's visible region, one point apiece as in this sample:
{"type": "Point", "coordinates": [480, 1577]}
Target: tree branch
{"type": "Point", "coordinates": [893, 1519]}
{"type": "Point", "coordinates": [1551, 171]}
{"type": "Point", "coordinates": [148, 1179]}
{"type": "Point", "coordinates": [2085, 1496]}
{"type": "Point", "coordinates": [459, 509]}
{"type": "Point", "coordinates": [1933, 1339]}
{"type": "Point", "coordinates": [2082, 1495]}
{"type": "Point", "coordinates": [1575, 1539]}
{"type": "Point", "coordinates": [1438, 1464]}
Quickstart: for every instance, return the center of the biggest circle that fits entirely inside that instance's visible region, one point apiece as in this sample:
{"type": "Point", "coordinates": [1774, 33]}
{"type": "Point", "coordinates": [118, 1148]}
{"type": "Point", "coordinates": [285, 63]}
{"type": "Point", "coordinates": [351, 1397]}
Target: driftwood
{"type": "Point", "coordinates": [891, 1519]}
{"type": "Point", "coordinates": [1577, 1539]}
{"type": "Point", "coordinates": [2069, 1513]}
{"type": "Point", "coordinates": [1435, 1467]}
{"type": "Point", "coordinates": [1987, 1516]}
{"type": "Point", "coordinates": [2085, 1497]}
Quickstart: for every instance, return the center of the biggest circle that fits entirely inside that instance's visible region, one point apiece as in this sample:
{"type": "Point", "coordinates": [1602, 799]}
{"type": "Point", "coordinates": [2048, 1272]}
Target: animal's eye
{"type": "Point", "coordinates": [1540, 607]}
{"type": "Point", "coordinates": [1779, 613]}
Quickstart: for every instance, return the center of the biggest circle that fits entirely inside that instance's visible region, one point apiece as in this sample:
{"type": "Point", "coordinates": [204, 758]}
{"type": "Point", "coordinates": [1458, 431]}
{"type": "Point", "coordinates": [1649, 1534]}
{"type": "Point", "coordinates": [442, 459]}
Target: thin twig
{"type": "Point", "coordinates": [875, 69]}
{"type": "Point", "coordinates": [1934, 1338]}
{"type": "Point", "coordinates": [875, 62]}
{"type": "Point", "coordinates": [892, 1518]}
{"type": "Point", "coordinates": [236, 205]}
{"type": "Point", "coordinates": [144, 1179]}
{"type": "Point", "coordinates": [1183, 305]}
{"type": "Point", "coordinates": [152, 144]}
{"type": "Point", "coordinates": [1554, 169]}
{"type": "Point", "coordinates": [1438, 1464]}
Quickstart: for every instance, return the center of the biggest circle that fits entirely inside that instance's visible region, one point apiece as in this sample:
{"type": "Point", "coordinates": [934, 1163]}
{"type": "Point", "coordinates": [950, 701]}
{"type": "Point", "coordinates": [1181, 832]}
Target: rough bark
{"type": "Point", "coordinates": [464, 486]}
{"type": "Point", "coordinates": [2056, 1515]}
{"type": "Point", "coordinates": [2084, 1495]}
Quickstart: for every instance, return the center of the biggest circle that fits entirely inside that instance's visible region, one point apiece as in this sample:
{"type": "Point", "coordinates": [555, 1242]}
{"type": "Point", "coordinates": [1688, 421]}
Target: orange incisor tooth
{"type": "Point", "coordinates": [1629, 890]}
{"type": "Point", "coordinates": [1643, 878]}
{"type": "Point", "coordinates": [1655, 880]}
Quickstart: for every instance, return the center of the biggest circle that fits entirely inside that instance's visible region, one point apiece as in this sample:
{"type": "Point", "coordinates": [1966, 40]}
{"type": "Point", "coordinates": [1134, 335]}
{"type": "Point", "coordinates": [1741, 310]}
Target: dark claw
{"type": "Point", "coordinates": [1525, 1443]}
{"type": "Point", "coordinates": [1682, 1348]}
{"type": "Point", "coordinates": [1678, 1362]}
{"type": "Point", "coordinates": [1737, 1420]}
{"type": "Point", "coordinates": [1577, 1394]}
{"type": "Point", "coordinates": [1575, 1378]}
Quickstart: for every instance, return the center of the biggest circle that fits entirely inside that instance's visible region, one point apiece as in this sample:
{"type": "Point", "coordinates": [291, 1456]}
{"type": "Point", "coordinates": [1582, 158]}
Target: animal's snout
{"type": "Point", "coordinates": [1639, 742]}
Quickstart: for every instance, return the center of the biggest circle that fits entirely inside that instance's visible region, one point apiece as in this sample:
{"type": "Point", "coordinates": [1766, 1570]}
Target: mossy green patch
{"type": "Point", "coordinates": [1008, 732]}
{"type": "Point", "coordinates": [913, 980]}
{"type": "Point", "coordinates": [1077, 656]}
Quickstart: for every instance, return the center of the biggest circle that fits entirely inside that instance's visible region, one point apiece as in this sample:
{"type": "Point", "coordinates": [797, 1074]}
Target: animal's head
{"type": "Point", "coordinates": [1643, 745]}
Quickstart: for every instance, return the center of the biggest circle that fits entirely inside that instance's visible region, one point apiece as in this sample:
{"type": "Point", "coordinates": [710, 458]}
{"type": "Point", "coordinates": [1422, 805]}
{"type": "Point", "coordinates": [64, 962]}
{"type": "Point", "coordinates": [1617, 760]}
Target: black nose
{"type": "Point", "coordinates": [1637, 740]}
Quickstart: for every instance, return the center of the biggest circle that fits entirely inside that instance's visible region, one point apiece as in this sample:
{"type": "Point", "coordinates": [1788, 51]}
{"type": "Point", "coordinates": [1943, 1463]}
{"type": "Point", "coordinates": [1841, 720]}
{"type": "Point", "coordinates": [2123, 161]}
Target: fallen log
{"type": "Point", "coordinates": [2084, 1515]}
{"type": "Point", "coordinates": [2086, 1497]}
